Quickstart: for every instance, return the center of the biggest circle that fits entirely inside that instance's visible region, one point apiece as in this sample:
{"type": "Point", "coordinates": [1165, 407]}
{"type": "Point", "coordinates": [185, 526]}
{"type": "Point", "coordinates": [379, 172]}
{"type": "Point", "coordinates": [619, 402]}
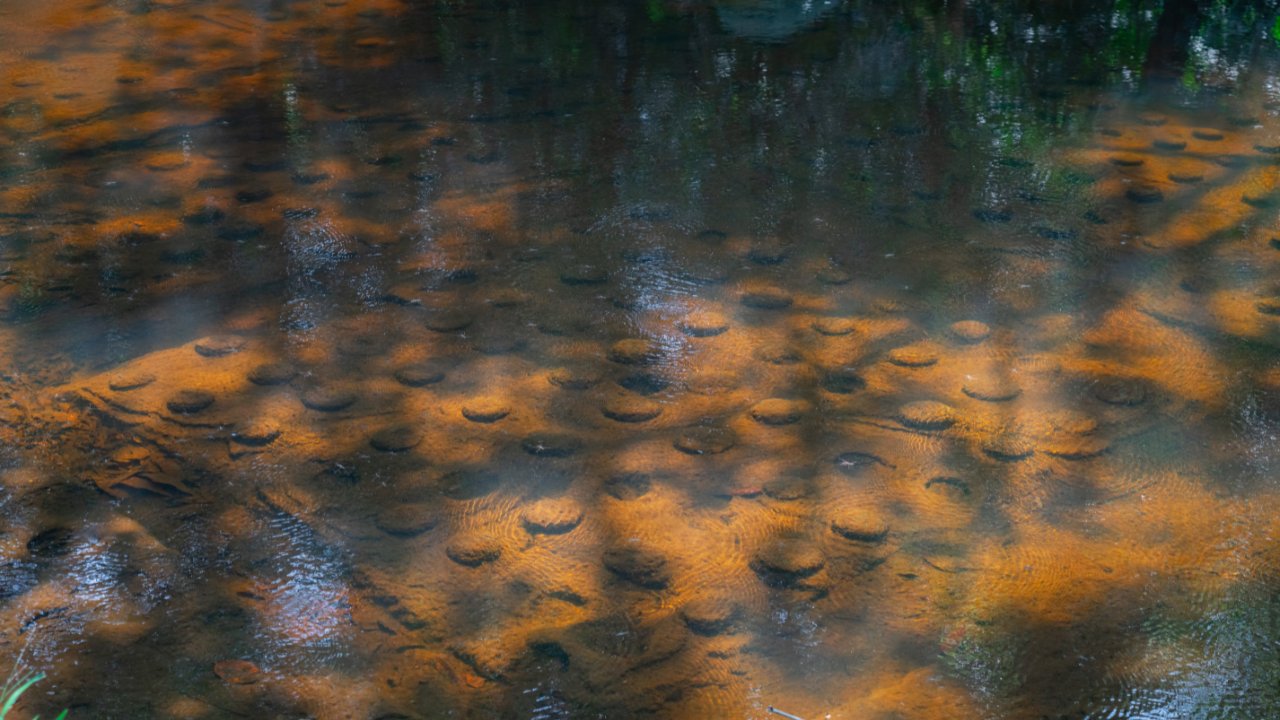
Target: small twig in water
{"type": "Point", "coordinates": [784, 713]}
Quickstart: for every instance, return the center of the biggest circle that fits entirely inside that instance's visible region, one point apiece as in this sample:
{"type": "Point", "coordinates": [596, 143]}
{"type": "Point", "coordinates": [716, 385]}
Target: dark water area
{"type": "Point", "coordinates": [882, 361]}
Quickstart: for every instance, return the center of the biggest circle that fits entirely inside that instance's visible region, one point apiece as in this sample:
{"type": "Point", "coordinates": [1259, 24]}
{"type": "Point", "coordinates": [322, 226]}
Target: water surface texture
{"type": "Point", "coordinates": [568, 359]}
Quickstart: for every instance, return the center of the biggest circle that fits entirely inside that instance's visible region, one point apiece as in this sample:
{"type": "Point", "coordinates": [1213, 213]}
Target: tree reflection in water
{"type": "Point", "coordinates": [607, 359]}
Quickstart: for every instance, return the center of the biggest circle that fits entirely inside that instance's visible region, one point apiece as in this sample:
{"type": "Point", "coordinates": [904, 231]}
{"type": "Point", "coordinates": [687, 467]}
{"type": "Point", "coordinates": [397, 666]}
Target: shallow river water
{"type": "Point", "coordinates": [377, 359]}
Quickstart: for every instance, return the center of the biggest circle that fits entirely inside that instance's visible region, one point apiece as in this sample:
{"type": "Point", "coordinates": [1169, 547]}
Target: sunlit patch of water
{"type": "Point", "coordinates": [304, 599]}
{"type": "Point", "coordinates": [98, 572]}
{"type": "Point", "coordinates": [1258, 433]}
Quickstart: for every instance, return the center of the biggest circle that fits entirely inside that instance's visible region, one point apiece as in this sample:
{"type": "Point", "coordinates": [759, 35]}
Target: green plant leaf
{"type": "Point", "coordinates": [12, 698]}
{"type": "Point", "coordinates": [655, 11]}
